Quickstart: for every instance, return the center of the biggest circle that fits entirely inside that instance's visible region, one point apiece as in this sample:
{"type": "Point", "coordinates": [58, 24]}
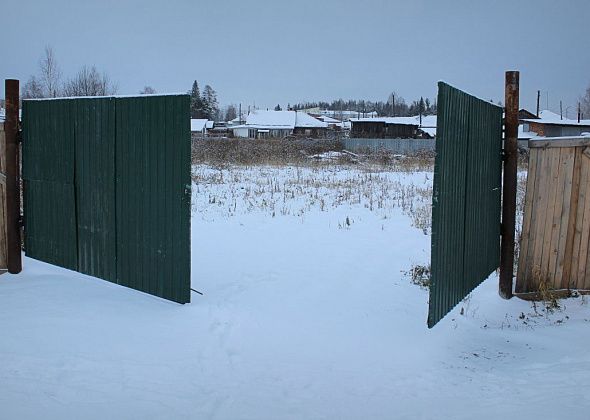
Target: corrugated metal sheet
{"type": "Point", "coordinates": [466, 198]}
{"type": "Point", "coordinates": [94, 133]}
{"type": "Point", "coordinates": [153, 195]}
{"type": "Point", "coordinates": [48, 175]}
{"type": "Point", "coordinates": [107, 189]}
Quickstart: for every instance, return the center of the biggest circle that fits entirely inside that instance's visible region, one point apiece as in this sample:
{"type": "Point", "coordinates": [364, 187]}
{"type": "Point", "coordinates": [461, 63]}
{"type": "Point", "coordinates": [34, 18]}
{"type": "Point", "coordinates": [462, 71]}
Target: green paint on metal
{"type": "Point", "coordinates": [466, 198]}
{"type": "Point", "coordinates": [48, 182]}
{"type": "Point", "coordinates": [153, 195]}
{"type": "Point", "coordinates": [107, 189]}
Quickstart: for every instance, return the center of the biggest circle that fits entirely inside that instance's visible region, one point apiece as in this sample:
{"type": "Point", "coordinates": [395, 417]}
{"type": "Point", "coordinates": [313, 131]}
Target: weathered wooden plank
{"type": "Point", "coordinates": [539, 271]}
{"type": "Point", "coordinates": [538, 221]}
{"type": "Point", "coordinates": [565, 220]}
{"type": "Point", "coordinates": [573, 277]}
{"type": "Point", "coordinates": [525, 238]}
{"type": "Point", "coordinates": [566, 282]}
{"type": "Point", "coordinates": [553, 217]}
{"type": "Point", "coordinates": [584, 223]}
{"type": "Point", "coordinates": [560, 142]}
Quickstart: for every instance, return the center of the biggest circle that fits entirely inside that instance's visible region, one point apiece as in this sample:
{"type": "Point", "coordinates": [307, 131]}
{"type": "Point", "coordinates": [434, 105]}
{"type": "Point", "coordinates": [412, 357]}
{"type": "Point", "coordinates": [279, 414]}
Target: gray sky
{"type": "Point", "coordinates": [271, 52]}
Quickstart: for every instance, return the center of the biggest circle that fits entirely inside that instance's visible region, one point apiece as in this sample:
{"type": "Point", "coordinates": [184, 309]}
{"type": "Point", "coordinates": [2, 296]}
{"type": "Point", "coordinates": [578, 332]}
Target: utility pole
{"type": "Point", "coordinates": [11, 129]}
{"type": "Point", "coordinates": [579, 112]}
{"type": "Point", "coordinates": [560, 110]}
{"type": "Point", "coordinates": [508, 226]}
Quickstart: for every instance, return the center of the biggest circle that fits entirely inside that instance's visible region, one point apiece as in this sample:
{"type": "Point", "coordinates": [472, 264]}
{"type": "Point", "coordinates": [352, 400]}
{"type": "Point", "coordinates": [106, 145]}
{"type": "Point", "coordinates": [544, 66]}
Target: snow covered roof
{"type": "Point", "coordinates": [209, 124]}
{"type": "Point", "coordinates": [198, 124]}
{"type": "Point", "coordinates": [427, 120]}
{"type": "Point", "coordinates": [305, 120]}
{"type": "Point", "coordinates": [348, 113]}
{"type": "Point", "coordinates": [548, 117]}
{"type": "Point", "coordinates": [329, 120]}
{"type": "Point", "coordinates": [283, 120]}
{"type": "Point", "coordinates": [274, 119]}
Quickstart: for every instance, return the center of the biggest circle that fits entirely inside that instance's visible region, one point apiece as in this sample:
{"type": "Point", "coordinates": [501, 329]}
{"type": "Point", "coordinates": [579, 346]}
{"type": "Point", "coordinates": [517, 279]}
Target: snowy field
{"type": "Point", "coordinates": [308, 313]}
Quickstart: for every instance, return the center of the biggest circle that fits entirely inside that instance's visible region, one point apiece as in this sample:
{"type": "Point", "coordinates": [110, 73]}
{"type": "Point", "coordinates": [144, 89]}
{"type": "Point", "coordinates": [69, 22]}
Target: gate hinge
{"type": "Point", "coordinates": [19, 136]}
{"type": "Point", "coordinates": [503, 155]}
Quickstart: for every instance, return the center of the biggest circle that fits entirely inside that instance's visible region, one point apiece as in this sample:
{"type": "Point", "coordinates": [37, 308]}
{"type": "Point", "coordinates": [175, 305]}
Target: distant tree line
{"type": "Point", "coordinates": [204, 105]}
{"type": "Point", "coordinates": [394, 106]}
{"type": "Point", "coordinates": [49, 81]}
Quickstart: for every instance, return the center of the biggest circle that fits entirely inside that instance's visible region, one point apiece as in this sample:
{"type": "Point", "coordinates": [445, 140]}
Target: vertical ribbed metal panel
{"type": "Point", "coordinates": [107, 189]}
{"type": "Point", "coordinates": [95, 188]}
{"type": "Point", "coordinates": [466, 198]}
{"type": "Point", "coordinates": [48, 174]}
{"type": "Point", "coordinates": [153, 195]}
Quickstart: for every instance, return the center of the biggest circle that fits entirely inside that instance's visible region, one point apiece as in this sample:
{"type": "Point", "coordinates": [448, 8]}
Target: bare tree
{"type": "Point", "coordinates": [148, 90]}
{"type": "Point", "coordinates": [50, 73]}
{"type": "Point", "coordinates": [33, 89]}
{"type": "Point", "coordinates": [230, 113]}
{"type": "Point", "coordinates": [89, 82]}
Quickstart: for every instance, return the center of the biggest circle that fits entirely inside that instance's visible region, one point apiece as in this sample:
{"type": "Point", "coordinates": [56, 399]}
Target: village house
{"type": "Point", "coordinates": [199, 127]}
{"type": "Point", "coordinates": [394, 127]}
{"type": "Point", "coordinates": [277, 124]}
{"type": "Point", "coordinates": [550, 124]}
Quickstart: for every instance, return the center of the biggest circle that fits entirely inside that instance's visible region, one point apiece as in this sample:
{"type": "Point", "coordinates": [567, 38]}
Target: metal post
{"type": "Point", "coordinates": [11, 125]}
{"type": "Point", "coordinates": [560, 110]}
{"type": "Point", "coordinates": [538, 102]}
{"type": "Point", "coordinates": [509, 183]}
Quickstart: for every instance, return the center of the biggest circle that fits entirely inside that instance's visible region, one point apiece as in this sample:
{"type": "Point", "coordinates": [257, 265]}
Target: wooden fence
{"type": "Point", "coordinates": [3, 263]}
{"type": "Point", "coordinates": [556, 228]}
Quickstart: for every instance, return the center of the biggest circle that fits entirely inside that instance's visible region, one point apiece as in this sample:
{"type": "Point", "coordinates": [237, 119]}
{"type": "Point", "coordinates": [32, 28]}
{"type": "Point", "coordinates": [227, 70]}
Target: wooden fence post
{"type": "Point", "coordinates": [11, 128]}
{"type": "Point", "coordinates": [509, 183]}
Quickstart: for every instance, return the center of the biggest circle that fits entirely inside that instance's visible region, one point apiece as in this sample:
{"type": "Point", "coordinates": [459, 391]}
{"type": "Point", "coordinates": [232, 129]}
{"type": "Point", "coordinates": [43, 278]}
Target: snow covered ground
{"type": "Point", "coordinates": [306, 314]}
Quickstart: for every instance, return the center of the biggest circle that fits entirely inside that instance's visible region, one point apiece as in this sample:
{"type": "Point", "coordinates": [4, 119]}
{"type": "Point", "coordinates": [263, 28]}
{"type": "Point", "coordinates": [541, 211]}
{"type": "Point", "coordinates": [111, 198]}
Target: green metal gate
{"type": "Point", "coordinates": [107, 189]}
{"type": "Point", "coordinates": [466, 198]}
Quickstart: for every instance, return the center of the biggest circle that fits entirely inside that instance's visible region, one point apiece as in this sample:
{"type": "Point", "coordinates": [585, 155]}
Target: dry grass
{"type": "Point", "coordinates": [300, 152]}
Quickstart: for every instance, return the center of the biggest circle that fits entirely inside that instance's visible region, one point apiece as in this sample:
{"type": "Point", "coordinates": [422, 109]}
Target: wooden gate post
{"type": "Point", "coordinates": [11, 128]}
{"type": "Point", "coordinates": [509, 183]}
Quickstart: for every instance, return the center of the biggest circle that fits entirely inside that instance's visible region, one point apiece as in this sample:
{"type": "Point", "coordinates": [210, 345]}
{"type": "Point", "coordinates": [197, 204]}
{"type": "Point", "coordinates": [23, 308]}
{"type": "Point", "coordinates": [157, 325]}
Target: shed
{"type": "Point", "coordinates": [277, 124]}
{"type": "Point", "coordinates": [394, 127]}
{"type": "Point", "coordinates": [550, 124]}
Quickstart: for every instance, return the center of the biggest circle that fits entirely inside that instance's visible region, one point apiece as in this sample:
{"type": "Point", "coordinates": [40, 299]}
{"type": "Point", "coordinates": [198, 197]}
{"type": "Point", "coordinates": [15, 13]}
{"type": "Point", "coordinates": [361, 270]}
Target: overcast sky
{"type": "Point", "coordinates": [271, 51]}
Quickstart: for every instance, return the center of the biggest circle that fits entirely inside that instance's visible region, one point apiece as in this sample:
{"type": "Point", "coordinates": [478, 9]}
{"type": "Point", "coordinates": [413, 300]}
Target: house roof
{"type": "Point", "coordinates": [551, 118]}
{"type": "Point", "coordinates": [305, 120]}
{"type": "Point", "coordinates": [427, 120]}
{"type": "Point", "coordinates": [198, 124]}
{"type": "Point", "coordinates": [329, 120]}
{"type": "Point", "coordinates": [282, 120]}
{"type": "Point", "coordinates": [272, 119]}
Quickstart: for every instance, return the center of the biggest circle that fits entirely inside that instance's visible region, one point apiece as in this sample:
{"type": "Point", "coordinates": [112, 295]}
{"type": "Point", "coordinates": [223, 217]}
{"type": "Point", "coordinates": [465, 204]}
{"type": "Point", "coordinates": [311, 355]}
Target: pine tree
{"type": "Point", "coordinates": [278, 108]}
{"type": "Point", "coordinates": [196, 101]}
{"type": "Point", "coordinates": [210, 105]}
